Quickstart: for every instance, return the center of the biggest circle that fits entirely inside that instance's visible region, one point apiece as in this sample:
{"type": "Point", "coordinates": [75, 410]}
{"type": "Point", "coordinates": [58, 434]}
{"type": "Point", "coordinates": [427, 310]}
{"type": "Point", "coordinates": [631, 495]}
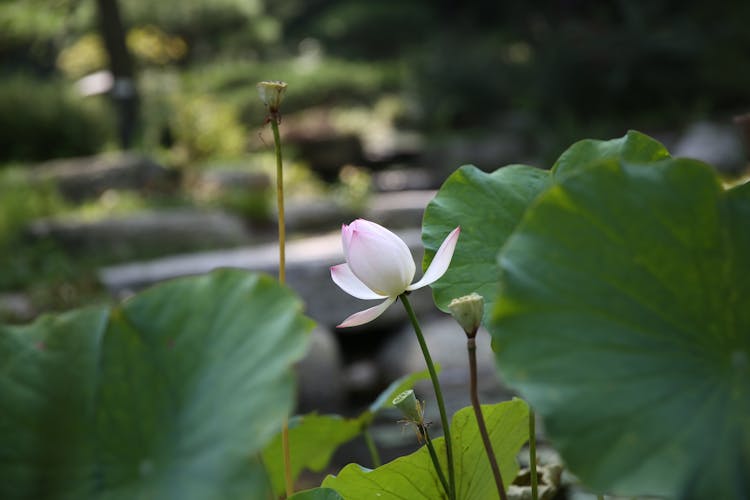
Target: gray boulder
{"type": "Point", "coordinates": [89, 177]}
{"type": "Point", "coordinates": [320, 375]}
{"type": "Point", "coordinates": [715, 143]}
{"type": "Point", "coordinates": [147, 233]}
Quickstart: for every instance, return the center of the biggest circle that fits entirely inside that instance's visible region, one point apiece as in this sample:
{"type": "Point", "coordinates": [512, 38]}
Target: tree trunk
{"type": "Point", "coordinates": [123, 93]}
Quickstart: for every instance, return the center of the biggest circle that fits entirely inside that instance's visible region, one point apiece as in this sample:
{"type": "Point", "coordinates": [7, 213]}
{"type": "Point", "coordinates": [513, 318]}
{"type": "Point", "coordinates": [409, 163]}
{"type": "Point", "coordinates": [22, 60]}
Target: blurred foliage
{"type": "Point", "coordinates": [314, 82]}
{"type": "Point", "coordinates": [22, 201]}
{"type": "Point", "coordinates": [43, 119]}
{"type": "Point", "coordinates": [205, 127]}
{"type": "Point", "coordinates": [84, 56]}
{"type": "Point", "coordinates": [653, 62]}
{"type": "Point", "coordinates": [361, 28]}
{"type": "Point", "coordinates": [569, 66]}
{"type": "Point", "coordinates": [553, 71]}
{"type": "Point", "coordinates": [354, 187]}
{"type": "Point", "coordinates": [149, 46]}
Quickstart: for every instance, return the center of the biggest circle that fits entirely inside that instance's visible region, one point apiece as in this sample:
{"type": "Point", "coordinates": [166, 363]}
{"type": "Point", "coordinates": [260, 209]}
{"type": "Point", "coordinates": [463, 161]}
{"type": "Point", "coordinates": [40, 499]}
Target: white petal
{"type": "Point", "coordinates": [440, 262]}
{"type": "Point", "coordinates": [367, 315]}
{"type": "Point", "coordinates": [346, 236]}
{"type": "Point", "coordinates": [342, 275]}
{"type": "Point", "coordinates": [379, 258]}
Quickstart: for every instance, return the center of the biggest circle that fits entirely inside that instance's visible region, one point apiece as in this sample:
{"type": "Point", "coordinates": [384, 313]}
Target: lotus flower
{"type": "Point", "coordinates": [379, 265]}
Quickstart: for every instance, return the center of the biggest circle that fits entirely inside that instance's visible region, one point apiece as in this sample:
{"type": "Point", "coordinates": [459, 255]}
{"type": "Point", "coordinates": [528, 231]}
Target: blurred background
{"type": "Point", "coordinates": [383, 96]}
{"type": "Point", "coordinates": [132, 146]}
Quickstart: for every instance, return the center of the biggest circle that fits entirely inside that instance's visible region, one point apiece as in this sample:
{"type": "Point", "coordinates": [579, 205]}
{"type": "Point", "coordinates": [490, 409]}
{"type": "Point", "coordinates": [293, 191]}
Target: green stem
{"type": "Point", "coordinates": [433, 456]}
{"type": "Point", "coordinates": [532, 455]}
{"type": "Point", "coordinates": [438, 392]}
{"type": "Point", "coordinates": [285, 448]}
{"type": "Point", "coordinates": [472, 348]}
{"type": "Point", "coordinates": [280, 200]}
{"type": "Point", "coordinates": [374, 455]}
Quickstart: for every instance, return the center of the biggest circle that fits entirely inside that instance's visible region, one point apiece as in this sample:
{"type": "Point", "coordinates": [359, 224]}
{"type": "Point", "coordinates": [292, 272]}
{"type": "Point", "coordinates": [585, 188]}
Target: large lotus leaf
{"type": "Point", "coordinates": [414, 477]}
{"type": "Point", "coordinates": [314, 438]}
{"type": "Point", "coordinates": [632, 147]}
{"type": "Point", "coordinates": [488, 207]}
{"type": "Point", "coordinates": [312, 441]}
{"type": "Point", "coordinates": [624, 319]}
{"type": "Point", "coordinates": [316, 494]}
{"type": "Point", "coordinates": [47, 386]}
{"type": "Point", "coordinates": [171, 395]}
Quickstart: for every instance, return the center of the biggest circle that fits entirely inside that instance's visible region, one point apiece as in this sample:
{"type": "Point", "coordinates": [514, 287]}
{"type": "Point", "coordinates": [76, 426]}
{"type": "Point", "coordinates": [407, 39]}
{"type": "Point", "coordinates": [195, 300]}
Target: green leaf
{"type": "Point", "coordinates": [489, 207]}
{"type": "Point", "coordinates": [632, 147]}
{"type": "Point", "coordinates": [624, 321]}
{"type": "Point", "coordinates": [317, 494]}
{"type": "Point", "coordinates": [508, 427]}
{"type": "Point", "coordinates": [312, 439]}
{"type": "Point", "coordinates": [414, 477]}
{"type": "Point", "coordinates": [47, 387]}
{"type": "Point", "coordinates": [171, 395]}
{"type": "Point", "coordinates": [401, 384]}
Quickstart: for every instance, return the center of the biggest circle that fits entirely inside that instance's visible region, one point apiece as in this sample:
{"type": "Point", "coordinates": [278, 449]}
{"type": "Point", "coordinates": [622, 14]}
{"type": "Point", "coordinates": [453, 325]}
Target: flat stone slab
{"type": "Point", "coordinates": [144, 233]}
{"type": "Point", "coordinates": [399, 209]}
{"type": "Point", "coordinates": [89, 177]}
{"type": "Point", "coordinates": [307, 271]}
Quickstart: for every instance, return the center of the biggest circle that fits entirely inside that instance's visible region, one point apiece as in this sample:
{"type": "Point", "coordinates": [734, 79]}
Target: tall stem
{"type": "Point", "coordinates": [285, 448]}
{"type": "Point", "coordinates": [433, 456]}
{"type": "Point", "coordinates": [438, 392]}
{"type": "Point", "coordinates": [374, 455]}
{"type": "Point", "coordinates": [280, 200]}
{"type": "Point", "coordinates": [532, 455]}
{"type": "Point", "coordinates": [472, 348]}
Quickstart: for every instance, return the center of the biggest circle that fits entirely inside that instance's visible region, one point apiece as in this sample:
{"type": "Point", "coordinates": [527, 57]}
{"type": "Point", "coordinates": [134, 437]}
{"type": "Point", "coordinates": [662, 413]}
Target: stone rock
{"type": "Point", "coordinates": [717, 144]}
{"type": "Point", "coordinates": [220, 180]}
{"type": "Point", "coordinates": [362, 376]}
{"type": "Point", "coordinates": [389, 146]}
{"type": "Point", "coordinates": [320, 375]}
{"type": "Point", "coordinates": [402, 179]}
{"type": "Point", "coordinates": [399, 209]}
{"type": "Point", "coordinates": [446, 340]}
{"type": "Point", "coordinates": [16, 307]}
{"type": "Point", "coordinates": [89, 177]}
{"type": "Point", "coordinates": [315, 215]}
{"type": "Point", "coordinates": [487, 152]}
{"type": "Point", "coordinates": [327, 154]}
{"type": "Point", "coordinates": [147, 233]}
{"type": "Point", "coordinates": [307, 272]}
{"type": "Point", "coordinates": [549, 478]}
{"type": "Point", "coordinates": [319, 140]}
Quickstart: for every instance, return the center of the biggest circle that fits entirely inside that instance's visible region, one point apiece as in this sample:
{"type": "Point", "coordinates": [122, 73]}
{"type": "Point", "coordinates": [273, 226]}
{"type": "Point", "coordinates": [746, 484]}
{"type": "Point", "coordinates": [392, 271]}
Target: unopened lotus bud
{"type": "Point", "coordinates": [409, 406]}
{"type": "Point", "coordinates": [271, 93]}
{"type": "Point", "coordinates": [468, 311]}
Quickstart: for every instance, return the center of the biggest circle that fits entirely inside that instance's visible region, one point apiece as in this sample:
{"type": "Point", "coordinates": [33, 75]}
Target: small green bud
{"type": "Point", "coordinates": [468, 311]}
{"type": "Point", "coordinates": [409, 406]}
{"type": "Point", "coordinates": [271, 93]}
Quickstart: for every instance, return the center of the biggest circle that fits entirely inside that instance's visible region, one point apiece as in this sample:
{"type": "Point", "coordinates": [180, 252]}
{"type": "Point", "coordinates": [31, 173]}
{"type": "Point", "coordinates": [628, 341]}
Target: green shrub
{"type": "Point", "coordinates": [42, 120]}
{"type": "Point", "coordinates": [310, 83]}
{"type": "Point", "coordinates": [204, 128]}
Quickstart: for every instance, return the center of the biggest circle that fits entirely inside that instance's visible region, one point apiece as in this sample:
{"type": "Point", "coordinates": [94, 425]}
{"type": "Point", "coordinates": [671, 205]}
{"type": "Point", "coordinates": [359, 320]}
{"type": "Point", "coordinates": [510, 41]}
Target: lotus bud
{"type": "Point", "coordinates": [468, 311]}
